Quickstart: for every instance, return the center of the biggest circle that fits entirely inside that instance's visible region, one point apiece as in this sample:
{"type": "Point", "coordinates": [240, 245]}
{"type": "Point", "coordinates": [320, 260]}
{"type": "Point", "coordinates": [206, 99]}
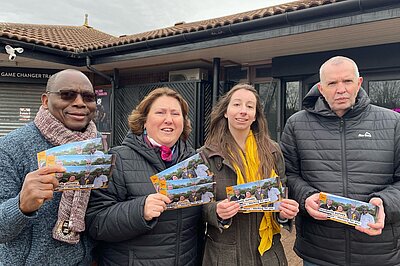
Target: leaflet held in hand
{"type": "Point", "coordinates": [87, 167]}
{"type": "Point", "coordinates": [188, 183]}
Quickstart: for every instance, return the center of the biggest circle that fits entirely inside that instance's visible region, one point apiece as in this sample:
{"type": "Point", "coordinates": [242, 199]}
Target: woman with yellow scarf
{"type": "Point", "coordinates": [239, 150]}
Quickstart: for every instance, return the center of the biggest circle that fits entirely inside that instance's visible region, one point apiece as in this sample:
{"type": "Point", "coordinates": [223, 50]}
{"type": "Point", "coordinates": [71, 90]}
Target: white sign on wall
{"type": "Point", "coordinates": [24, 114]}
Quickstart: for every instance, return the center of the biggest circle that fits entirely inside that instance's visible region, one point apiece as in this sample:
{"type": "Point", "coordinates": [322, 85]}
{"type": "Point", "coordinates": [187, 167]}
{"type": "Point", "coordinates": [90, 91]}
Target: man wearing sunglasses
{"type": "Point", "coordinates": [31, 229]}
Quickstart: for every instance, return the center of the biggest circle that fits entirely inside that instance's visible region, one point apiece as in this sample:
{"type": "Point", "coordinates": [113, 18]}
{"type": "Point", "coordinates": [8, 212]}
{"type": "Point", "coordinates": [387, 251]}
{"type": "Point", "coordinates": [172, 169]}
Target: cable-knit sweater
{"type": "Point", "coordinates": [27, 240]}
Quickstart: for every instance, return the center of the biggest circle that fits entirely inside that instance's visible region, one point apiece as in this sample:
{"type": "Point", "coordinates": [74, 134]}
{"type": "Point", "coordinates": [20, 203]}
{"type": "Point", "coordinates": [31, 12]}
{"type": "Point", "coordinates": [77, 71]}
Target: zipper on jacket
{"type": "Point", "coordinates": [342, 130]}
{"type": "Point", "coordinates": [341, 125]}
{"type": "Point", "coordinates": [178, 237]}
{"type": "Point", "coordinates": [347, 248]}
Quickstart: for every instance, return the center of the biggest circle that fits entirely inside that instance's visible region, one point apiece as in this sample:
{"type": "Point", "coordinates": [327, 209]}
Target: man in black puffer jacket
{"type": "Point", "coordinates": [342, 144]}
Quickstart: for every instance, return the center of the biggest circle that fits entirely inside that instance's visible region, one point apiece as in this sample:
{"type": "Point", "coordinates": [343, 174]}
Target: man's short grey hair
{"type": "Point", "coordinates": [336, 61]}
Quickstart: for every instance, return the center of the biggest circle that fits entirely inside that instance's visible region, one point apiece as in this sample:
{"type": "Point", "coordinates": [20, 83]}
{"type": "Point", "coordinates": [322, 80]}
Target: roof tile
{"type": "Point", "coordinates": [82, 38]}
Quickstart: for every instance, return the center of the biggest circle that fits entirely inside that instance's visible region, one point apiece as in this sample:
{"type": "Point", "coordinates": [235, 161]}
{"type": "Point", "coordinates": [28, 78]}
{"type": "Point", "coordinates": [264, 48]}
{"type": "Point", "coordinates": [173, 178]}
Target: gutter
{"type": "Point", "coordinates": [298, 17]}
{"type": "Point", "coordinates": [44, 53]}
{"type": "Point", "coordinates": [338, 9]}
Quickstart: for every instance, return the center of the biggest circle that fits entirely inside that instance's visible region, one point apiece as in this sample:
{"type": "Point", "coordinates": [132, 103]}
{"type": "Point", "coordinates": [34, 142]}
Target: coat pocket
{"type": "Point", "coordinates": [219, 254]}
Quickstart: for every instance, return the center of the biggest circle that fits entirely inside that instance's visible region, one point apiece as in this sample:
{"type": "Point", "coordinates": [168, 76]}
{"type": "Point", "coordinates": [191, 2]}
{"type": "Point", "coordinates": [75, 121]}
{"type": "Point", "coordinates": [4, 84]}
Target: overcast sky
{"type": "Point", "coordinates": [118, 17]}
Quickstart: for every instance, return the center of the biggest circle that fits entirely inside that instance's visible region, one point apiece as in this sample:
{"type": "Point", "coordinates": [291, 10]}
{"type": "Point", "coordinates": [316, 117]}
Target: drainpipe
{"type": "Point", "coordinates": [111, 79]}
{"type": "Point", "coordinates": [215, 90]}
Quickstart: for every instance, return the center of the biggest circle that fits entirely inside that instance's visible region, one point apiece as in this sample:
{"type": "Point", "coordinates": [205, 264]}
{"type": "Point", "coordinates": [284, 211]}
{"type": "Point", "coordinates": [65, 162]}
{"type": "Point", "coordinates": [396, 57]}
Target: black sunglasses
{"type": "Point", "coordinates": [69, 95]}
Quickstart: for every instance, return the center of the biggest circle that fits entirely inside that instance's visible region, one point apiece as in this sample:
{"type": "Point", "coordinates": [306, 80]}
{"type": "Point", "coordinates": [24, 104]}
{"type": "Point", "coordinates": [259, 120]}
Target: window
{"type": "Point", "coordinates": [385, 93]}
{"type": "Point", "coordinates": [292, 98]}
{"type": "Point", "coordinates": [269, 97]}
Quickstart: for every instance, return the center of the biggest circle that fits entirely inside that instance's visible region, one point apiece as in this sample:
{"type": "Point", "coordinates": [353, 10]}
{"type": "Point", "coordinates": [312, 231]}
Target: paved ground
{"type": "Point", "coordinates": [288, 241]}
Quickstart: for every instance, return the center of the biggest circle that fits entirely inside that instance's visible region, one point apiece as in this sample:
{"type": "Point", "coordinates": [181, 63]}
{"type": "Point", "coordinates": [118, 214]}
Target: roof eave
{"type": "Point", "coordinates": [45, 53]}
{"type": "Point", "coordinates": [118, 52]}
{"type": "Point", "coordinates": [299, 17]}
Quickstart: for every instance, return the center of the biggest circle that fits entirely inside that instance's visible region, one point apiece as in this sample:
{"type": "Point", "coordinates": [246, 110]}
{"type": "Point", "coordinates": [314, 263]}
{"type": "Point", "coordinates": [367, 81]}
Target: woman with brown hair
{"type": "Point", "coordinates": [240, 150]}
{"type": "Point", "coordinates": [130, 218]}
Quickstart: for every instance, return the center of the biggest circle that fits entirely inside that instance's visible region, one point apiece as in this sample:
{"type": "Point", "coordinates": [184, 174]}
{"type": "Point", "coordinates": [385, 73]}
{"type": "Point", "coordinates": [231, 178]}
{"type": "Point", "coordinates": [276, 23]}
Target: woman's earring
{"type": "Point", "coordinates": [144, 131]}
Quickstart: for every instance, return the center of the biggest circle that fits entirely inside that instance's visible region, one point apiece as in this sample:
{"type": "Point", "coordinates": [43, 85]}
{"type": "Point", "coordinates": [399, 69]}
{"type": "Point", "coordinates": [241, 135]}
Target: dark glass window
{"type": "Point", "coordinates": [385, 93]}
{"type": "Point", "coordinates": [269, 96]}
{"type": "Point", "coordinates": [292, 99]}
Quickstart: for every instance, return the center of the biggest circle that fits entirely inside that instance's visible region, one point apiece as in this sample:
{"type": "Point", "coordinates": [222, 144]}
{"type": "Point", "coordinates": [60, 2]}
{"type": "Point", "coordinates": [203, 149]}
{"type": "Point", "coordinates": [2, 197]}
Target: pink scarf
{"type": "Point", "coordinates": [165, 151]}
{"type": "Point", "coordinates": [73, 204]}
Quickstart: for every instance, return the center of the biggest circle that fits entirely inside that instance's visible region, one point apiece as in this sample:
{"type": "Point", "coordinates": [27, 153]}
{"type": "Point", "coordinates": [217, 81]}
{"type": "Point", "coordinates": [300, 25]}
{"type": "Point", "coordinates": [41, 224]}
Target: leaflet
{"type": "Point", "coordinates": [259, 196]}
{"type": "Point", "coordinates": [188, 183]}
{"type": "Point", "coordinates": [90, 146]}
{"type": "Point", "coordinates": [347, 211]}
{"type": "Point", "coordinates": [87, 167]}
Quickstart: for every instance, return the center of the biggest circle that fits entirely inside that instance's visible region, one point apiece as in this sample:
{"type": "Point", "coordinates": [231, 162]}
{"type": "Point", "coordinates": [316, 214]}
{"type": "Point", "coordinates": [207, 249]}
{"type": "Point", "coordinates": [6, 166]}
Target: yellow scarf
{"type": "Point", "coordinates": [268, 227]}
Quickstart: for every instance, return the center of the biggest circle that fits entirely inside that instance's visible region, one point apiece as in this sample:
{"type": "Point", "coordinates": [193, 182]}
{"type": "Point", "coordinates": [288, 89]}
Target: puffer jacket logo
{"type": "Point", "coordinates": [365, 135]}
